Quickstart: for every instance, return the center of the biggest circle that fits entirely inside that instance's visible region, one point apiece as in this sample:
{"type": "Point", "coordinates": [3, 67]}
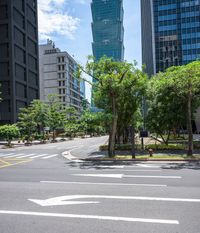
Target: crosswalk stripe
{"type": "Point", "coordinates": [10, 156]}
{"type": "Point", "coordinates": [24, 156]}
{"type": "Point", "coordinates": [13, 156]}
{"type": "Point", "coordinates": [37, 156]}
{"type": "Point", "coordinates": [3, 155]}
{"type": "Point", "coordinates": [50, 156]}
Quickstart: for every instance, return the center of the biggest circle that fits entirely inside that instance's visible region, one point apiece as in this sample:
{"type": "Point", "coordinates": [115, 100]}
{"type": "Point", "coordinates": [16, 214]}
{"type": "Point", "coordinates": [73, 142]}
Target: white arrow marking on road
{"type": "Point", "coordinates": [119, 176]}
{"type": "Point", "coordinates": [67, 200]}
{"type": "Point", "coordinates": [107, 218]}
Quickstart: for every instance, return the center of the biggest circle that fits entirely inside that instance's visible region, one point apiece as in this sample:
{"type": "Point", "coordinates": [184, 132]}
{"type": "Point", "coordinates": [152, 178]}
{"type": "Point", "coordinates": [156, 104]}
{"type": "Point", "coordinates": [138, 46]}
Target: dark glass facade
{"type": "Point", "coordinates": [107, 29]}
{"type": "Point", "coordinates": [174, 32]}
{"type": "Point", "coordinates": [18, 57]}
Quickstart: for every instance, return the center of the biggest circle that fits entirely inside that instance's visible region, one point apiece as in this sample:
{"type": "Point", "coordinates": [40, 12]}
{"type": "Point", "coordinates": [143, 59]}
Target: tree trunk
{"type": "Point", "coordinates": [111, 146]}
{"type": "Point", "coordinates": [189, 124]}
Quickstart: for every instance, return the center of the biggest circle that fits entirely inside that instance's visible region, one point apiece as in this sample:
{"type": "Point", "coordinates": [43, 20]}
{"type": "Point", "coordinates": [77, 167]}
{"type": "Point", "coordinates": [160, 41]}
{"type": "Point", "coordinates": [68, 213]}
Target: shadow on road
{"type": "Point", "coordinates": [112, 165]}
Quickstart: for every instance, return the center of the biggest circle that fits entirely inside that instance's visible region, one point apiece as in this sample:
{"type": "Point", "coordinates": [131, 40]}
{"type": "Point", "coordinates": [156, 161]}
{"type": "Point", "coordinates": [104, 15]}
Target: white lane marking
{"type": "Point", "coordinates": [38, 156]}
{"type": "Point", "coordinates": [109, 166]}
{"type": "Point", "coordinates": [140, 170]}
{"type": "Point", "coordinates": [119, 176]}
{"type": "Point", "coordinates": [158, 177]}
{"type": "Point", "coordinates": [63, 200]}
{"type": "Point", "coordinates": [24, 156]}
{"type": "Point", "coordinates": [50, 156]}
{"type": "Point", "coordinates": [109, 184]}
{"type": "Point", "coordinates": [148, 166]}
{"type": "Point", "coordinates": [14, 155]}
{"type": "Point", "coordinates": [106, 218]}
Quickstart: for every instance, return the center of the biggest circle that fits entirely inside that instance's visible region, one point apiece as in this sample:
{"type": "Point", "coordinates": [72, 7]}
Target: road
{"type": "Point", "coordinates": [41, 191]}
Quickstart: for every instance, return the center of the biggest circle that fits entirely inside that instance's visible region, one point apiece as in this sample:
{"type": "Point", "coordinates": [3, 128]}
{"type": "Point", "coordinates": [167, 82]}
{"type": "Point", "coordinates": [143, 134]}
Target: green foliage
{"type": "Point", "coordinates": [9, 132]}
{"type": "Point", "coordinates": [92, 123]}
{"type": "Point", "coordinates": [118, 91]}
{"type": "Point", "coordinates": [120, 147]}
{"type": "Point", "coordinates": [27, 124]}
{"type": "Point", "coordinates": [71, 129]}
{"type": "Point", "coordinates": [40, 112]}
{"type": "Point", "coordinates": [173, 98]}
{"type": "Point", "coordinates": [56, 114]}
{"type": "Point", "coordinates": [165, 147]}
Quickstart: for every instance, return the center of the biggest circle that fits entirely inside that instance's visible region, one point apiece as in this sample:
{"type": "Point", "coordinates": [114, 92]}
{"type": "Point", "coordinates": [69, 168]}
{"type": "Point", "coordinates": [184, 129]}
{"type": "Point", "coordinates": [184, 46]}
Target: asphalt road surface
{"type": "Point", "coordinates": [41, 191]}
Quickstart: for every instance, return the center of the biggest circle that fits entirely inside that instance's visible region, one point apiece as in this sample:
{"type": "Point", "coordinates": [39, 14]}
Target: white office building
{"type": "Point", "coordinates": [57, 76]}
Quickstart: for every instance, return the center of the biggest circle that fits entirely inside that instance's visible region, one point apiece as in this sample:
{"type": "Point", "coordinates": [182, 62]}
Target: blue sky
{"type": "Point", "coordinates": [68, 24]}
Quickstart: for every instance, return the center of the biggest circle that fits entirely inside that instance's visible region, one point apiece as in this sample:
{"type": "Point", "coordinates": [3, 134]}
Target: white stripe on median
{"type": "Point", "coordinates": [109, 184]}
{"type": "Point", "coordinates": [50, 156]}
{"type": "Point", "coordinates": [106, 218]}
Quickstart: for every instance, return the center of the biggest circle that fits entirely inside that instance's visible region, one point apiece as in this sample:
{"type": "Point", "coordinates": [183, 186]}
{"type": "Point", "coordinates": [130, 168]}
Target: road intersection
{"type": "Point", "coordinates": [59, 195]}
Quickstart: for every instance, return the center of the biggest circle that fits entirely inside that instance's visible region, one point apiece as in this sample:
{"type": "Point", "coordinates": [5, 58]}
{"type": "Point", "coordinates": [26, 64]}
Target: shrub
{"type": "Point", "coordinates": [165, 147]}
{"type": "Point", "coordinates": [122, 147]}
{"type": "Point", "coordinates": [9, 132]}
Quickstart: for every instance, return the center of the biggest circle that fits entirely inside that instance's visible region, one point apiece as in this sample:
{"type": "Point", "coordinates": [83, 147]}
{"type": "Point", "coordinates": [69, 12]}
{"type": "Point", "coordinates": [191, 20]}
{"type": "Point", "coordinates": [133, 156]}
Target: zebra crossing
{"type": "Point", "coordinates": [27, 156]}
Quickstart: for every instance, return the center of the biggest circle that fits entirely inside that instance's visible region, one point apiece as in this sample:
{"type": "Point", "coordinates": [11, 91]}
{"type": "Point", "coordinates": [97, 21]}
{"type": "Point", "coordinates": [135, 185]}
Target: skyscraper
{"type": "Point", "coordinates": [107, 29]}
{"type": "Point", "coordinates": [170, 33]}
{"type": "Point", "coordinates": [18, 57]}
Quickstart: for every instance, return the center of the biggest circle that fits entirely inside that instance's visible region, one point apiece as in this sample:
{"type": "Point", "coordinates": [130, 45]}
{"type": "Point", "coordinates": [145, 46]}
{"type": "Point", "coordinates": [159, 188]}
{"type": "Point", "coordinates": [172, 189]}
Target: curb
{"type": "Point", "coordinates": [67, 155]}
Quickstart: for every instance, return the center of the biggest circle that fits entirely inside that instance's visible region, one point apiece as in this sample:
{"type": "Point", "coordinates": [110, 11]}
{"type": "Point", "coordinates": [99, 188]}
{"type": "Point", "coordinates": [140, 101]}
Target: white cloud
{"type": "Point", "coordinates": [52, 19]}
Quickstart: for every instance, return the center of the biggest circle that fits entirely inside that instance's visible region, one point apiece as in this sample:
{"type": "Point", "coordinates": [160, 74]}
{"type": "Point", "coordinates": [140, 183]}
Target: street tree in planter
{"type": "Point", "coordinates": [56, 114]}
{"type": "Point", "coordinates": [114, 80]}
{"type": "Point", "coordinates": [26, 123]}
{"type": "Point", "coordinates": [185, 82]}
{"type": "Point", "coordinates": [40, 112]}
{"type": "Point", "coordinates": [166, 112]}
{"type": "Point", "coordinates": [9, 132]}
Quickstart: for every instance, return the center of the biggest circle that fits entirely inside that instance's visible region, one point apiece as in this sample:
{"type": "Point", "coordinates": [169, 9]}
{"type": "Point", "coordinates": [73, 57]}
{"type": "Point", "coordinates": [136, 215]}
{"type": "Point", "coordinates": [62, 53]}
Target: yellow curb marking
{"type": "Point", "coordinates": [7, 164]}
{"type": "Point", "coordinates": [4, 162]}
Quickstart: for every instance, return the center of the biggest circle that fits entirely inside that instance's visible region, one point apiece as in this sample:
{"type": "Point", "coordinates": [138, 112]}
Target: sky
{"type": "Point", "coordinates": [68, 24]}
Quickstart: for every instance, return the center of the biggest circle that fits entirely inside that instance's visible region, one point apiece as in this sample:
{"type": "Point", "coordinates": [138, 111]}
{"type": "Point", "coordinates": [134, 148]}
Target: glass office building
{"type": "Point", "coordinates": [107, 29]}
{"type": "Point", "coordinates": [170, 33]}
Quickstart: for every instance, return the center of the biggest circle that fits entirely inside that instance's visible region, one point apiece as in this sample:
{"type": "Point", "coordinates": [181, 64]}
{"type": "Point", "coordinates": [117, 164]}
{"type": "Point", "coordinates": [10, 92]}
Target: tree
{"type": "Point", "coordinates": [9, 132]}
{"type": "Point", "coordinates": [175, 96]}
{"type": "Point", "coordinates": [114, 80]}
{"type": "Point", "coordinates": [92, 122]}
{"type": "Point", "coordinates": [166, 112]}
{"type": "Point", "coordinates": [56, 114]}
{"type": "Point", "coordinates": [40, 112]}
{"type": "Point", "coordinates": [185, 81]}
{"type": "Point", "coordinates": [26, 123]}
